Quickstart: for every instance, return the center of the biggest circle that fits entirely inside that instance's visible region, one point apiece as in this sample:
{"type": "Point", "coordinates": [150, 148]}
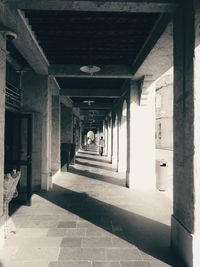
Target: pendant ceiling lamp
{"type": "Point", "coordinates": [91, 69]}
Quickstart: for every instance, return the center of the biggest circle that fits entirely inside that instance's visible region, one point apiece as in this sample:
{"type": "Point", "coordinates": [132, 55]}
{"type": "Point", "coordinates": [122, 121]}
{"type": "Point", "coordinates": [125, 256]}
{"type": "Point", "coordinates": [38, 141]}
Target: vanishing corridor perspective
{"type": "Point", "coordinates": [100, 130]}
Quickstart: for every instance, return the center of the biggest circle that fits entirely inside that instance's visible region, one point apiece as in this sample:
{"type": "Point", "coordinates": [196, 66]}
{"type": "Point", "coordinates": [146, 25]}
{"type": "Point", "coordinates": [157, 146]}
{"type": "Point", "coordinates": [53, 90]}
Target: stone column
{"type": "Point", "coordinates": [141, 138]}
{"type": "Point", "coordinates": [2, 126]}
{"type": "Point", "coordinates": [55, 135]}
{"type": "Point", "coordinates": [37, 100]}
{"type": "Point", "coordinates": [109, 143]}
{"type": "Point", "coordinates": [105, 136]}
{"type": "Point", "coordinates": [123, 141]}
{"type": "Point", "coordinates": [115, 144]}
{"type": "Point", "coordinates": [186, 213]}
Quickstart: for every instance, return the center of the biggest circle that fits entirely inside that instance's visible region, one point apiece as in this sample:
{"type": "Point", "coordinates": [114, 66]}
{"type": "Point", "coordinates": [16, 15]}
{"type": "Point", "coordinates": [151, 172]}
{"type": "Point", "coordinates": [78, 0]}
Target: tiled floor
{"type": "Point", "coordinates": [89, 219]}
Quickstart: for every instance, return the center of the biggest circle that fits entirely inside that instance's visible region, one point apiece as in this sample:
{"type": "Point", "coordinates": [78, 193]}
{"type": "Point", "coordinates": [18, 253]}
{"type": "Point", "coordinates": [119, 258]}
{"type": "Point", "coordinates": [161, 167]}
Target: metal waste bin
{"type": "Point", "coordinates": [161, 177]}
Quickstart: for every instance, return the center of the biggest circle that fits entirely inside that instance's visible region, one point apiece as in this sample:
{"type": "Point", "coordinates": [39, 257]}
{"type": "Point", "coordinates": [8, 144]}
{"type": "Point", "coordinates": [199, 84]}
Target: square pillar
{"type": "Point", "coordinates": [115, 143]}
{"type": "Point", "coordinates": [105, 136]}
{"type": "Point", "coordinates": [141, 138]}
{"type": "Point", "coordinates": [109, 137]}
{"type": "Point", "coordinates": [37, 100]}
{"type": "Point", "coordinates": [185, 236]}
{"type": "Point", "coordinates": [2, 126]}
{"type": "Point", "coordinates": [55, 135]}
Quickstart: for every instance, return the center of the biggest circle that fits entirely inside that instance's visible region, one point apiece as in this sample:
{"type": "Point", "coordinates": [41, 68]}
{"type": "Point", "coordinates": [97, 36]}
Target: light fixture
{"type": "Point", "coordinates": [8, 33]}
{"type": "Point", "coordinates": [89, 102]}
{"type": "Point", "coordinates": [91, 69]}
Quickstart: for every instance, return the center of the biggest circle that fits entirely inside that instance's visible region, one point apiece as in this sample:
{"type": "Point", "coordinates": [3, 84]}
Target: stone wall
{"type": "Point", "coordinates": [2, 124]}
{"type": "Point", "coordinates": [164, 112]}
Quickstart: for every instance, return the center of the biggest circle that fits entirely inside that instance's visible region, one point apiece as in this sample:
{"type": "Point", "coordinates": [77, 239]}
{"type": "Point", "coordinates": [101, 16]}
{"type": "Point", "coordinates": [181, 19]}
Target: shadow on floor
{"type": "Point", "coordinates": [94, 165]}
{"type": "Point", "coordinates": [148, 235]}
{"type": "Point", "coordinates": [100, 177]}
{"type": "Point", "coordinates": [93, 159]}
{"type": "Point", "coordinates": [88, 152]}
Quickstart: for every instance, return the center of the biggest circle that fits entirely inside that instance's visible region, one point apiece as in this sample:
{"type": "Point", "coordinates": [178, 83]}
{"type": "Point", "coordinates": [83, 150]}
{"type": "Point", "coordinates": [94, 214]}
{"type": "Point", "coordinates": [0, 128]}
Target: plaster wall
{"type": "Point", "coordinates": [164, 112]}
{"type": "Point", "coordinates": [66, 124]}
{"type": "Point", "coordinates": [2, 126]}
{"type": "Point", "coordinates": [37, 101]}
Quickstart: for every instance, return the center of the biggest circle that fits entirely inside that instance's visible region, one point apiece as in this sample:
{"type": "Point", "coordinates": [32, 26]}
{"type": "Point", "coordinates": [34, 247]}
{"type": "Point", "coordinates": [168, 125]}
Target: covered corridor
{"type": "Point", "coordinates": [90, 219]}
{"type": "Point", "coordinates": [127, 71]}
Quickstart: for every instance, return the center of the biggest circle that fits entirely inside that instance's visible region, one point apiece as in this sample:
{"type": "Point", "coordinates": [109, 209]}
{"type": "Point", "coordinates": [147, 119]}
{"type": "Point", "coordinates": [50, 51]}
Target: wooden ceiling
{"type": "Point", "coordinates": [84, 38]}
{"type": "Point", "coordinates": [74, 38]}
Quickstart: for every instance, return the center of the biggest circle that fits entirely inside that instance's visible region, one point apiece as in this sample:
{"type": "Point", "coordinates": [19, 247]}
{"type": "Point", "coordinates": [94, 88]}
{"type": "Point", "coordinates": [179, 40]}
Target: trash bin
{"type": "Point", "coordinates": [161, 177]}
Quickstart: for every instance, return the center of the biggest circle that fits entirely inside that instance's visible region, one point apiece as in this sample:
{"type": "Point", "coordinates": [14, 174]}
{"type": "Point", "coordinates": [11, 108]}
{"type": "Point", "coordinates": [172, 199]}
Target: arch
{"type": "Point", "coordinates": [122, 162]}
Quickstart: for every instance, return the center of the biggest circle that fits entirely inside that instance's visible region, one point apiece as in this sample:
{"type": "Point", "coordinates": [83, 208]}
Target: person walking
{"type": "Point", "coordinates": [101, 145]}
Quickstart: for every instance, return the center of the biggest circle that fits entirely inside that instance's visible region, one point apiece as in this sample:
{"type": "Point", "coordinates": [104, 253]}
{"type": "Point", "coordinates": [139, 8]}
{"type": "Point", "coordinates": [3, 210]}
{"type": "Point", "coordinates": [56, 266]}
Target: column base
{"type": "Point", "coordinates": [114, 163]}
{"type": "Point", "coordinates": [46, 181]}
{"type": "Point", "coordinates": [141, 182]}
{"type": "Point", "coordinates": [2, 232]}
{"type": "Point", "coordinates": [185, 243]}
{"type": "Point", "coordinates": [54, 174]}
{"type": "Point", "coordinates": [128, 183]}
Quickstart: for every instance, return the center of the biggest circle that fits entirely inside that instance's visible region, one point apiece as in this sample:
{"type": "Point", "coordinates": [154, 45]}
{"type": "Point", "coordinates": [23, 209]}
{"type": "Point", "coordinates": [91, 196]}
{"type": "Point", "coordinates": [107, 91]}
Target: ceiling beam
{"type": "Point", "coordinates": [107, 71]}
{"type": "Point", "coordinates": [147, 6]}
{"type": "Point", "coordinates": [25, 42]}
{"type": "Point", "coordinates": [162, 54]}
{"type": "Point", "coordinates": [108, 93]}
{"type": "Point", "coordinates": [96, 113]}
{"type": "Point", "coordinates": [92, 106]}
{"type": "Point", "coordinates": [151, 41]}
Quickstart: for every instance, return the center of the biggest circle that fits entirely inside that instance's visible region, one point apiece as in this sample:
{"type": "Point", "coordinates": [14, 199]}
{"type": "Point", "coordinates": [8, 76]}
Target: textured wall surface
{"type": "Point", "coordinates": [36, 100]}
{"type": "Point", "coordinates": [66, 124]}
{"type": "Point", "coordinates": [2, 123]}
{"type": "Point", "coordinates": [55, 134]}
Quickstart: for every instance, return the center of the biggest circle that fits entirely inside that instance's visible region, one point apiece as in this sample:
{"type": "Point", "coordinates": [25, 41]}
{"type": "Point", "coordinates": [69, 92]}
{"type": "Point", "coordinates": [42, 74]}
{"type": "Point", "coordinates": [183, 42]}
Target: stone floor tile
{"type": "Point", "coordinates": [119, 242]}
{"type": "Point", "coordinates": [97, 233]}
{"type": "Point", "coordinates": [75, 232]}
{"type": "Point", "coordinates": [105, 264]}
{"type": "Point", "coordinates": [35, 253]}
{"type": "Point", "coordinates": [56, 232]}
{"type": "Point", "coordinates": [34, 242]}
{"type": "Point", "coordinates": [25, 264]}
{"type": "Point", "coordinates": [97, 242]}
{"type": "Point", "coordinates": [82, 254]}
{"type": "Point", "coordinates": [135, 264]}
{"type": "Point", "coordinates": [157, 263]}
{"type": "Point", "coordinates": [68, 217]}
{"type": "Point", "coordinates": [71, 264]}
{"type": "Point", "coordinates": [84, 224]}
{"type": "Point", "coordinates": [31, 232]}
{"type": "Point", "coordinates": [122, 254]}
{"type": "Point", "coordinates": [66, 224]}
{"type": "Point", "coordinates": [8, 253]}
{"type": "Point", "coordinates": [71, 242]}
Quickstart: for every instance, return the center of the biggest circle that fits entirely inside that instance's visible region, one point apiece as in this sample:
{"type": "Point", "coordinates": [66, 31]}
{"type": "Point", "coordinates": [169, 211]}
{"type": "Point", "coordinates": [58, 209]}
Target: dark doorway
{"type": "Point", "coordinates": [18, 149]}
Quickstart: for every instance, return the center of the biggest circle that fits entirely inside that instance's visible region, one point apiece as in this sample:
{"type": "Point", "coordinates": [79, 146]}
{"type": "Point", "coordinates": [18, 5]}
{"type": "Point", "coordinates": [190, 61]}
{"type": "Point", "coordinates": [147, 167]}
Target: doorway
{"type": "Point", "coordinates": [18, 150]}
